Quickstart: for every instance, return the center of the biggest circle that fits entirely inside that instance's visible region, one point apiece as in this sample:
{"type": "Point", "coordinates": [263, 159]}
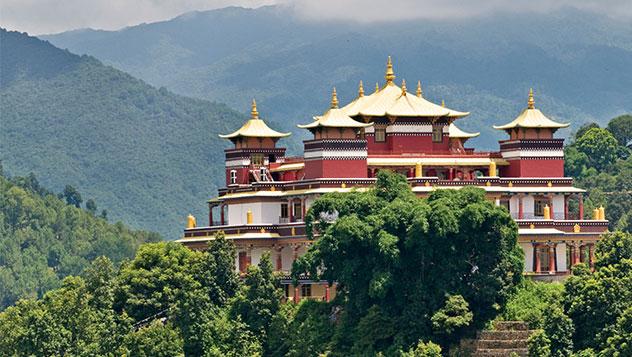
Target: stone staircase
{"type": "Point", "coordinates": [508, 338]}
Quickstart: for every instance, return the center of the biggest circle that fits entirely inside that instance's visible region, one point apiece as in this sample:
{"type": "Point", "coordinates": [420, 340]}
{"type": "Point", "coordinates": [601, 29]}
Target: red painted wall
{"type": "Point", "coordinates": [534, 168]}
{"type": "Point", "coordinates": [335, 169]}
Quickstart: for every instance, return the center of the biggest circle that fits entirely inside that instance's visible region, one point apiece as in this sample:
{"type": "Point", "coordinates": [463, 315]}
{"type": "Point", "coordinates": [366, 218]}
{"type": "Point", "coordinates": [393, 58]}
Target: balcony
{"type": "Point", "coordinates": [532, 216]}
{"type": "Point", "coordinates": [285, 220]}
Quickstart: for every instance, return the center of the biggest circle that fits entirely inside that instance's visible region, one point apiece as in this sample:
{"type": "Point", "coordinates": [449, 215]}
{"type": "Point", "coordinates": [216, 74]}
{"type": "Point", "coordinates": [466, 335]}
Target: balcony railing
{"type": "Point", "coordinates": [284, 220]}
{"type": "Point", "coordinates": [531, 216]}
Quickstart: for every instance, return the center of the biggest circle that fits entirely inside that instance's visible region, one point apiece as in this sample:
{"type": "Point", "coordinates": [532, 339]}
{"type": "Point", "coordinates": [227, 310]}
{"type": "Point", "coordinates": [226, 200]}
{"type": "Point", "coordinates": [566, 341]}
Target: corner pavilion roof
{"type": "Point", "coordinates": [255, 128]}
{"type": "Point", "coordinates": [457, 133]}
{"type": "Point", "coordinates": [532, 118]}
{"type": "Point", "coordinates": [396, 101]}
{"type": "Point", "coordinates": [334, 118]}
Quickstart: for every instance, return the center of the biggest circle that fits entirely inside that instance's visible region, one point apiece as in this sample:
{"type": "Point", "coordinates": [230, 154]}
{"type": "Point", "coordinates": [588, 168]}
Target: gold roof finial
{"type": "Point", "coordinates": [419, 91]}
{"type": "Point", "coordinates": [443, 103]}
{"type": "Point", "coordinates": [403, 87]}
{"type": "Point", "coordinates": [334, 99]}
{"type": "Point", "coordinates": [360, 90]}
{"type": "Point", "coordinates": [377, 87]}
{"type": "Point", "coordinates": [531, 103]}
{"type": "Point", "coordinates": [390, 75]}
{"type": "Point", "coordinates": [254, 114]}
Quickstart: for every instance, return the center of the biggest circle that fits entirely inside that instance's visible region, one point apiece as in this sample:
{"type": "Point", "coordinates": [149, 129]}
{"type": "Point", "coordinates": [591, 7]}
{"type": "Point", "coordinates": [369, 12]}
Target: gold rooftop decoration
{"type": "Point", "coordinates": [532, 118]}
{"type": "Point", "coordinates": [419, 91]}
{"type": "Point", "coordinates": [255, 127]}
{"type": "Point", "coordinates": [191, 223]}
{"type": "Point", "coordinates": [334, 118]}
{"type": "Point", "coordinates": [403, 87]}
{"type": "Point", "coordinates": [387, 101]}
{"type": "Point", "coordinates": [377, 87]}
{"type": "Point", "coordinates": [360, 90]}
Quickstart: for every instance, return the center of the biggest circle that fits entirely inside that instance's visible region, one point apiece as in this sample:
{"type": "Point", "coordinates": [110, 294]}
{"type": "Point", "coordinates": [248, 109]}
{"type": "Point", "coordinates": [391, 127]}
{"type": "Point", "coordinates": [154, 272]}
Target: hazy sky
{"type": "Point", "coordinates": [50, 16]}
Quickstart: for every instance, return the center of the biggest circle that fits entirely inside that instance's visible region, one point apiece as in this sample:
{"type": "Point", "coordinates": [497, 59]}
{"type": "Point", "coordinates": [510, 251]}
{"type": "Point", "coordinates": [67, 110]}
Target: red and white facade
{"type": "Point", "coordinates": [267, 194]}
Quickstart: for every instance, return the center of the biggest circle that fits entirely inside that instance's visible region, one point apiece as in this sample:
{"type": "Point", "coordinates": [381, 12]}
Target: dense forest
{"type": "Point", "coordinates": [146, 155]}
{"type": "Point", "coordinates": [45, 237]}
{"type": "Point", "coordinates": [169, 300]}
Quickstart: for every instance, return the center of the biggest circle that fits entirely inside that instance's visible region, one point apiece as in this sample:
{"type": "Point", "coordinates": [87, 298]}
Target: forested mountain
{"type": "Point", "coordinates": [577, 62]}
{"type": "Point", "coordinates": [43, 239]}
{"type": "Point", "coordinates": [146, 155]}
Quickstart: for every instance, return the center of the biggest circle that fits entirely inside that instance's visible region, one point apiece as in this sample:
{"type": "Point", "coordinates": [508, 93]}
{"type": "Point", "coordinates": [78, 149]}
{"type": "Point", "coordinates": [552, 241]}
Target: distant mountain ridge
{"type": "Point", "coordinates": [577, 62]}
{"type": "Point", "coordinates": [148, 156]}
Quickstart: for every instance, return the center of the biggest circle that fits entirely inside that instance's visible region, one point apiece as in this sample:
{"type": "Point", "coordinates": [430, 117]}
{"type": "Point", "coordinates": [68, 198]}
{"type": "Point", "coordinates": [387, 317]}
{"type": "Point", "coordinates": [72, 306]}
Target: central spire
{"type": "Point", "coordinates": [334, 99]}
{"type": "Point", "coordinates": [531, 102]}
{"type": "Point", "coordinates": [377, 87]}
{"type": "Point", "coordinates": [419, 91]}
{"type": "Point", "coordinates": [403, 87]}
{"type": "Point", "coordinates": [360, 90]}
{"type": "Point", "coordinates": [390, 75]}
{"type": "Point", "coordinates": [254, 114]}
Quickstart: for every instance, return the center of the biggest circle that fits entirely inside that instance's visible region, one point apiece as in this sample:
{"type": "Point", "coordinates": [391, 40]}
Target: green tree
{"type": "Point", "coordinates": [259, 300]}
{"type": "Point", "coordinates": [539, 344]}
{"type": "Point", "coordinates": [454, 316]}
{"type": "Point", "coordinates": [455, 243]}
{"type": "Point", "coordinates": [155, 340]}
{"type": "Point", "coordinates": [225, 336]}
{"type": "Point", "coordinates": [621, 129]}
{"type": "Point", "coordinates": [91, 206]}
{"type": "Point", "coordinates": [72, 196]}
{"type": "Point", "coordinates": [423, 349]}
{"type": "Point", "coordinates": [620, 343]}
{"type": "Point", "coordinates": [600, 146]}
{"type": "Point", "coordinates": [530, 302]}
{"type": "Point", "coordinates": [559, 330]}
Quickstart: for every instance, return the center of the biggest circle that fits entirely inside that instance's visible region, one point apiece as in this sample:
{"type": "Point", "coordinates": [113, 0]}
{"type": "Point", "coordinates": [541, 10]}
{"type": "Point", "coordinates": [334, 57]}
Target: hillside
{"type": "Point", "coordinates": [577, 62]}
{"type": "Point", "coordinates": [43, 239]}
{"type": "Point", "coordinates": [146, 155]}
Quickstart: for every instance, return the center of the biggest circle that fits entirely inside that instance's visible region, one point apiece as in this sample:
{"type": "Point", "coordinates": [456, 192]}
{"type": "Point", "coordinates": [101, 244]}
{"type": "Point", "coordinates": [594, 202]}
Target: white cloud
{"type": "Point", "coordinates": [49, 16]}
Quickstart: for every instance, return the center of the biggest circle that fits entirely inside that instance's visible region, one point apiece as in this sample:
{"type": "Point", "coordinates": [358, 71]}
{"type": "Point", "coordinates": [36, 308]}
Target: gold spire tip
{"type": "Point", "coordinates": [334, 99]}
{"type": "Point", "coordinates": [443, 103]}
{"type": "Point", "coordinates": [403, 87]}
{"type": "Point", "coordinates": [254, 114]}
{"type": "Point", "coordinates": [531, 103]}
{"type": "Point", "coordinates": [419, 91]}
{"type": "Point", "coordinates": [360, 90]}
{"type": "Point", "coordinates": [390, 75]}
{"type": "Point", "coordinates": [377, 87]}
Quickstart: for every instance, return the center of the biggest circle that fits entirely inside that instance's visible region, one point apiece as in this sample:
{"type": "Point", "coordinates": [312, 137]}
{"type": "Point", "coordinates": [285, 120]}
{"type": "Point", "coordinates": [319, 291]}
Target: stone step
{"type": "Point", "coordinates": [511, 325]}
{"type": "Point", "coordinates": [501, 344]}
{"type": "Point", "coordinates": [504, 335]}
{"type": "Point", "coordinates": [501, 352]}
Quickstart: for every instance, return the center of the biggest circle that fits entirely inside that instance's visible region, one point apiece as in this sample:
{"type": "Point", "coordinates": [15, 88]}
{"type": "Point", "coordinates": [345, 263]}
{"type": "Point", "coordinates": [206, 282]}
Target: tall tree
{"type": "Point", "coordinates": [72, 196]}
{"type": "Point", "coordinates": [621, 129]}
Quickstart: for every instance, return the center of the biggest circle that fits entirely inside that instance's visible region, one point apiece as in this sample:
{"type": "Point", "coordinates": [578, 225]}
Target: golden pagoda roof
{"type": "Point", "coordinates": [532, 118]}
{"type": "Point", "coordinates": [457, 133]}
{"type": "Point", "coordinates": [353, 108]}
{"type": "Point", "coordinates": [255, 128]}
{"type": "Point", "coordinates": [334, 118]}
{"type": "Point", "coordinates": [393, 100]}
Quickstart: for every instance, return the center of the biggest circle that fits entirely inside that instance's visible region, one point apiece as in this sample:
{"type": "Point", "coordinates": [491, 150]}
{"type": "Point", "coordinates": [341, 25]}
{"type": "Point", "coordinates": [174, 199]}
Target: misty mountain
{"type": "Point", "coordinates": [146, 155]}
{"type": "Point", "coordinates": [579, 63]}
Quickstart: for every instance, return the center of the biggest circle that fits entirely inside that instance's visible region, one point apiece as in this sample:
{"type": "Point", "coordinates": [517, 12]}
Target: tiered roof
{"type": "Point", "coordinates": [457, 133]}
{"type": "Point", "coordinates": [532, 118]}
{"type": "Point", "coordinates": [392, 100]}
{"type": "Point", "coordinates": [334, 117]}
{"type": "Point", "coordinates": [255, 128]}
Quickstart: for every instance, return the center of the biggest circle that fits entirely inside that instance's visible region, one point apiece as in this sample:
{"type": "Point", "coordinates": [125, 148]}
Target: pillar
{"type": "Point", "coordinates": [536, 254]}
{"type": "Point", "coordinates": [297, 298]}
{"type": "Point", "coordinates": [450, 174]}
{"type": "Point", "coordinates": [327, 296]}
{"type": "Point", "coordinates": [279, 258]}
{"type": "Point", "coordinates": [591, 255]}
{"type": "Point", "coordinates": [552, 214]}
{"type": "Point", "coordinates": [566, 207]}
{"type": "Point", "coordinates": [210, 215]}
{"type": "Point", "coordinates": [221, 215]}
{"type": "Point", "coordinates": [520, 207]}
{"type": "Point", "coordinates": [290, 208]}
{"type": "Point", "coordinates": [303, 207]}
{"type": "Point", "coordinates": [295, 253]}
{"type": "Point", "coordinates": [581, 206]}
{"type": "Point", "coordinates": [552, 259]}
{"type": "Point", "coordinates": [576, 254]}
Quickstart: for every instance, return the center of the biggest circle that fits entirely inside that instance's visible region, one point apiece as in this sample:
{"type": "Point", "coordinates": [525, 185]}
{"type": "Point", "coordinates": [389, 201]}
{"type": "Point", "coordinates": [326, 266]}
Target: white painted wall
{"type": "Point", "coordinates": [528, 205]}
{"type": "Point", "coordinates": [560, 256]}
{"type": "Point", "coordinates": [558, 206]}
{"type": "Point", "coordinates": [262, 212]}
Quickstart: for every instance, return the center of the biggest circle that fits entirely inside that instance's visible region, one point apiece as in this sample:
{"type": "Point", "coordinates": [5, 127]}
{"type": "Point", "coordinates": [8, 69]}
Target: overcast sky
{"type": "Point", "coordinates": [50, 16]}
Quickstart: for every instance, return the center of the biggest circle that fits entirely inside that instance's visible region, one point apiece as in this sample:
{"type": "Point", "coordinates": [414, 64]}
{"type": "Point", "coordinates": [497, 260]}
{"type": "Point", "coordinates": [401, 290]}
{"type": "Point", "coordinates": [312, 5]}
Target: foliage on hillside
{"type": "Point", "coordinates": [43, 239]}
{"type": "Point", "coordinates": [208, 311]}
{"type": "Point", "coordinates": [146, 155]}
{"type": "Point", "coordinates": [601, 163]}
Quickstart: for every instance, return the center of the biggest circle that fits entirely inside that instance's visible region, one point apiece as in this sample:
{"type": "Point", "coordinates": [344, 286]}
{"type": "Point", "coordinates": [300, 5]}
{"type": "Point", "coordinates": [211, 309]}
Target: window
{"type": "Point", "coordinates": [298, 211]}
{"type": "Point", "coordinates": [538, 206]}
{"type": "Point", "coordinates": [543, 252]}
{"type": "Point", "coordinates": [306, 290]}
{"type": "Point", "coordinates": [233, 177]}
{"type": "Point", "coordinates": [380, 135]}
{"type": "Point", "coordinates": [504, 203]}
{"type": "Point", "coordinates": [284, 210]}
{"type": "Point", "coordinates": [437, 133]}
{"type": "Point", "coordinates": [263, 175]}
{"type": "Point", "coordinates": [256, 159]}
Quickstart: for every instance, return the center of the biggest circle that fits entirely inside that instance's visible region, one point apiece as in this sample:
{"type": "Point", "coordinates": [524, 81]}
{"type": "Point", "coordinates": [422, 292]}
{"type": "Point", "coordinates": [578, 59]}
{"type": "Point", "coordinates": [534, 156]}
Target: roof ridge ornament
{"type": "Point", "coordinates": [403, 87]}
{"type": "Point", "coordinates": [334, 99]}
{"type": "Point", "coordinates": [254, 114]}
{"type": "Point", "coordinates": [390, 75]}
{"type": "Point", "coordinates": [419, 91]}
{"type": "Point", "coordinates": [360, 90]}
{"type": "Point", "coordinates": [443, 103]}
{"type": "Point", "coordinates": [531, 102]}
{"type": "Point", "coordinates": [377, 87]}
